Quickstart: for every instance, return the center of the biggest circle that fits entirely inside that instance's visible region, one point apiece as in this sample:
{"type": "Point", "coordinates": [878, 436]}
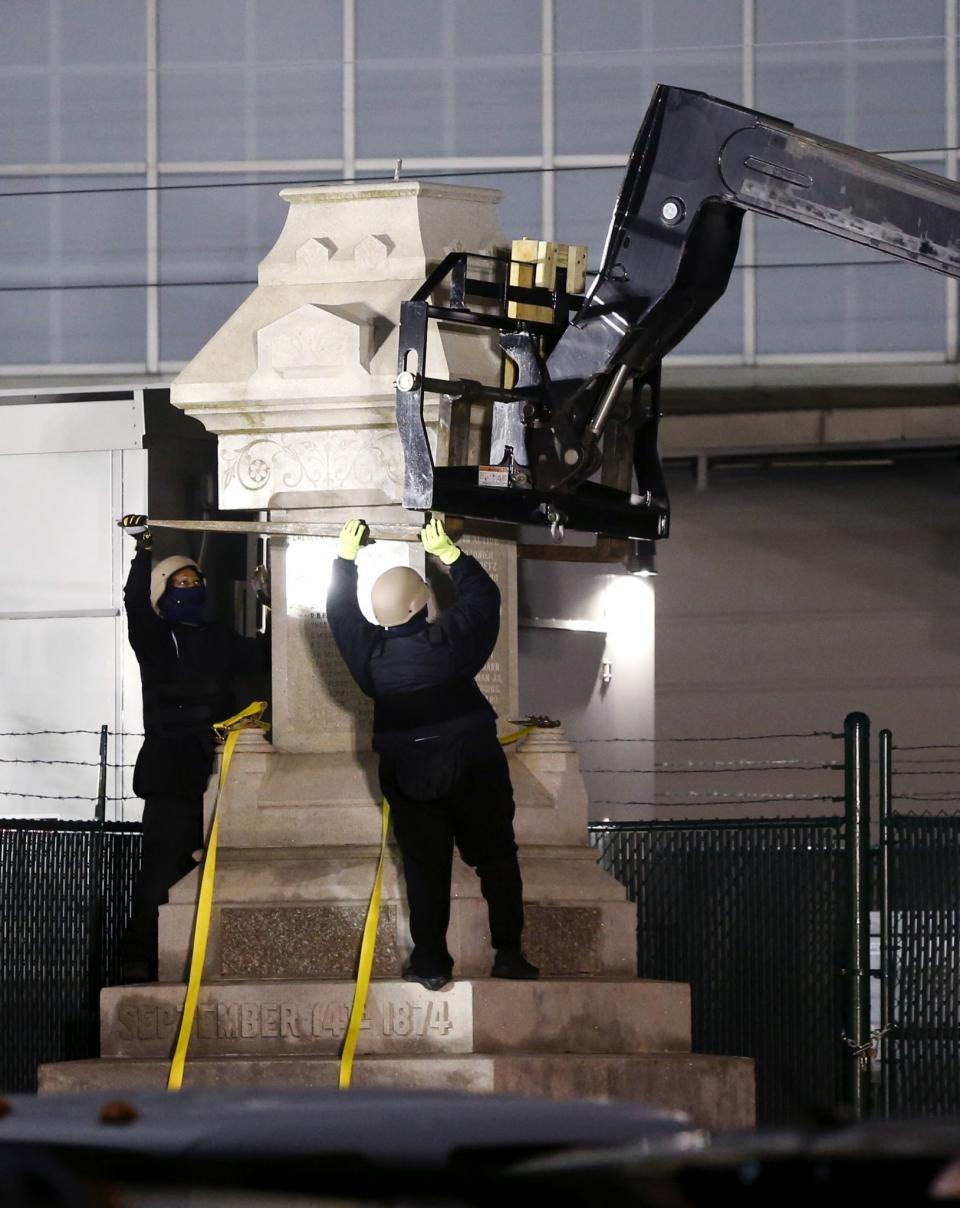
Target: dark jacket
{"type": "Point", "coordinates": [421, 675]}
{"type": "Point", "coordinates": [187, 673]}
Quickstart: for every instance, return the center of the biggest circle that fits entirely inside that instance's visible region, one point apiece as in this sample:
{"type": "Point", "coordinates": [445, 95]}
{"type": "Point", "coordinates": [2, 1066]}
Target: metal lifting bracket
{"type": "Point", "coordinates": [527, 476]}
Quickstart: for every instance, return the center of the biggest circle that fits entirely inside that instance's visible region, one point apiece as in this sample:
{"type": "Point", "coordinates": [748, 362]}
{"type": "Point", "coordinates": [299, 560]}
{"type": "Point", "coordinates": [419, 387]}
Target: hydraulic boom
{"type": "Point", "coordinates": [574, 440]}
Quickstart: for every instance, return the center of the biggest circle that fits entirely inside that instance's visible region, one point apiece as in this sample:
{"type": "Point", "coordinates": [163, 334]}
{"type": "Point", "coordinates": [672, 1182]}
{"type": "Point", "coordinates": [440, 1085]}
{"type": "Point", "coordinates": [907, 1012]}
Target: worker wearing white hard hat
{"type": "Point", "coordinates": [441, 766]}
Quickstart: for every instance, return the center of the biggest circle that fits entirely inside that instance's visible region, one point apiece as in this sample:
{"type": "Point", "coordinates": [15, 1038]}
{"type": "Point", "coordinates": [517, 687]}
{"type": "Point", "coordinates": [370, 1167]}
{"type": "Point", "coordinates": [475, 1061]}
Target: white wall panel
{"type": "Point", "coordinates": [61, 541]}
{"type": "Point", "coordinates": [64, 554]}
{"type": "Point", "coordinates": [58, 675]}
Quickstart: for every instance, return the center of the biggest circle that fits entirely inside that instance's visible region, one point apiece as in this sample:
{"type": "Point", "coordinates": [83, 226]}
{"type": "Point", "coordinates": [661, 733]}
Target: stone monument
{"type": "Point", "coordinates": [298, 386]}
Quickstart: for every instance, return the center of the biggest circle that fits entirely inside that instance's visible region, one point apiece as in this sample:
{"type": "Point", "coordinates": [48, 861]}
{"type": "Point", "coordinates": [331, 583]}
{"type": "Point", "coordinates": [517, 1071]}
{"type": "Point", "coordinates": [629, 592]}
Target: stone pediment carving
{"type": "Point", "coordinates": [316, 253]}
{"type": "Point", "coordinates": [373, 250]}
{"type": "Point", "coordinates": [316, 342]}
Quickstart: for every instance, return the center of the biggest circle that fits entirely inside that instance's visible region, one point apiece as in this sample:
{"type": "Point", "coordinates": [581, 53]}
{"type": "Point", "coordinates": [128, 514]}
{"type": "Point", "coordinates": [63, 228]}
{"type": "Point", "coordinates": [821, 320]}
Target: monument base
{"type": "Point", "coordinates": [715, 1092]}
{"type": "Point", "coordinates": [558, 1038]}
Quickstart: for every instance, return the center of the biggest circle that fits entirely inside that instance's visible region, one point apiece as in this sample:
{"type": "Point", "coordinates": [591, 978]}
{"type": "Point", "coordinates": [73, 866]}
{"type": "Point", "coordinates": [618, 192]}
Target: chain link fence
{"type": "Point", "coordinates": [750, 913]}
{"type": "Point", "coordinates": [755, 913]}
{"type": "Point", "coordinates": [65, 893]}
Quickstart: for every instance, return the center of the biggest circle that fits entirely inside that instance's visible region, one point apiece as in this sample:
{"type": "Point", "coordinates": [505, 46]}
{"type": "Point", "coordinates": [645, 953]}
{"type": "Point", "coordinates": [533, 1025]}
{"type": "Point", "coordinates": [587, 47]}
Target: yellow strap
{"type": "Point", "coordinates": [367, 948]}
{"type": "Point", "coordinates": [369, 941]}
{"type": "Point", "coordinates": [507, 739]}
{"type": "Point", "coordinates": [251, 716]}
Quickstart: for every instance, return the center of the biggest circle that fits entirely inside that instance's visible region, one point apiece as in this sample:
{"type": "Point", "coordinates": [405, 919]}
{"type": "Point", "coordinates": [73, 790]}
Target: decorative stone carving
{"type": "Point", "coordinates": [315, 342]}
{"type": "Point", "coordinates": [315, 253]}
{"type": "Point", "coordinates": [373, 250]}
{"type": "Point", "coordinates": [255, 469]}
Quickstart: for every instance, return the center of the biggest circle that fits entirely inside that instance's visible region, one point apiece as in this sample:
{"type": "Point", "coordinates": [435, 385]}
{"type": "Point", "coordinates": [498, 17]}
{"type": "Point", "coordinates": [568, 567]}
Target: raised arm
{"type": "Point", "coordinates": [144, 627]}
{"type": "Point", "coordinates": [472, 624]}
{"type": "Point", "coordinates": [353, 634]}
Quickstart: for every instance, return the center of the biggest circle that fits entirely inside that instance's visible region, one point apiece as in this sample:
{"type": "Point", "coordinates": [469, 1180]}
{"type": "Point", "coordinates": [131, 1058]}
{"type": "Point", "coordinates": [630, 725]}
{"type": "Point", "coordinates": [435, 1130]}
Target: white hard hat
{"type": "Point", "coordinates": [162, 572]}
{"type": "Point", "coordinates": [398, 595]}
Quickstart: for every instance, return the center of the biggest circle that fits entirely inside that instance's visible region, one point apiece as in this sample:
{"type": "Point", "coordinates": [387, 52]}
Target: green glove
{"type": "Point", "coordinates": [351, 538]}
{"type": "Point", "coordinates": [435, 541]}
{"type": "Point", "coordinates": [136, 526]}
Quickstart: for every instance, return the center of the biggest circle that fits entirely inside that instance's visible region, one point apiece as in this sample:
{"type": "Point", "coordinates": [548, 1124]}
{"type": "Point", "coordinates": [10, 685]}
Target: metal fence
{"type": "Point", "coordinates": [751, 914]}
{"type": "Point", "coordinates": [921, 1049]}
{"type": "Point", "coordinates": [768, 920]}
{"type": "Point", "coordinates": [65, 891]}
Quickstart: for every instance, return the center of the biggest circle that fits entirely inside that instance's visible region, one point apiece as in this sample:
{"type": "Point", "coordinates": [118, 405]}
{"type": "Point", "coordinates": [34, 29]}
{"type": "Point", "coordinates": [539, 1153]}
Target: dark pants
{"type": "Point", "coordinates": [172, 832]}
{"type": "Point", "coordinates": [477, 816]}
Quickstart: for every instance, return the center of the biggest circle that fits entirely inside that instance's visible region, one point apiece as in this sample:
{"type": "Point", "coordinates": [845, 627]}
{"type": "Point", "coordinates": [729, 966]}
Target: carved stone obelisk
{"type": "Point", "coordinates": [298, 386]}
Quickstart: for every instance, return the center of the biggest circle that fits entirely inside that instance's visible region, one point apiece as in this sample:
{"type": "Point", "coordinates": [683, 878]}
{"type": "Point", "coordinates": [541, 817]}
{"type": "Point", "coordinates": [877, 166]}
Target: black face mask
{"type": "Point", "coordinates": [185, 604]}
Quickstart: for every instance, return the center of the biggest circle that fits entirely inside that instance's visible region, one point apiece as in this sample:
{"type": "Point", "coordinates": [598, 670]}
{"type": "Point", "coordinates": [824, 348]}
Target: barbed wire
{"type": "Point", "coordinates": [933, 795]}
{"type": "Point", "coordinates": [929, 772]}
{"type": "Point", "coordinates": [716, 738]}
{"type": "Point", "coordinates": [737, 763]}
{"type": "Point", "coordinates": [59, 796]}
{"type": "Point", "coordinates": [618, 738]}
{"type": "Point", "coordinates": [710, 795]}
{"type": "Point", "coordinates": [38, 733]}
{"type": "Point", "coordinates": [929, 746]}
{"type": "Point", "coordinates": [708, 769]}
{"type": "Point", "coordinates": [75, 763]}
{"type": "Point", "coordinates": [709, 800]}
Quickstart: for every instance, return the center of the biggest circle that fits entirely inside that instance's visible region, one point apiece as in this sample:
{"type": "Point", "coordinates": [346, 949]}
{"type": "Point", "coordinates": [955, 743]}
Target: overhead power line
{"type": "Point", "coordinates": [415, 174]}
{"type": "Point", "coordinates": [209, 284]}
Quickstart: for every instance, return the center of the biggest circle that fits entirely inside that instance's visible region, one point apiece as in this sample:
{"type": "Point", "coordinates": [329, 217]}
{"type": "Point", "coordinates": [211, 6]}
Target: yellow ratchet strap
{"type": "Point", "coordinates": [367, 948]}
{"type": "Point", "coordinates": [369, 942]}
{"type": "Point", "coordinates": [229, 730]}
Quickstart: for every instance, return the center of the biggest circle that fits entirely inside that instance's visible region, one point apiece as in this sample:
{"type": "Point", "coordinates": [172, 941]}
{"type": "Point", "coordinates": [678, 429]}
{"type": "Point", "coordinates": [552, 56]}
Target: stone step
{"type": "Point", "coordinates": [321, 939]}
{"type": "Point", "coordinates": [253, 1019]}
{"type": "Point", "coordinates": [558, 873]}
{"type": "Point", "coordinates": [715, 1092]}
{"type": "Point", "coordinates": [284, 799]}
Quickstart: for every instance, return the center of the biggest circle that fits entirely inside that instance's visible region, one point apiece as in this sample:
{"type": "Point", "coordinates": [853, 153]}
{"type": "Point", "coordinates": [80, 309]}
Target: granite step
{"type": "Point", "coordinates": [715, 1092]}
{"type": "Point", "coordinates": [300, 938]}
{"type": "Point", "coordinates": [300, 1018]}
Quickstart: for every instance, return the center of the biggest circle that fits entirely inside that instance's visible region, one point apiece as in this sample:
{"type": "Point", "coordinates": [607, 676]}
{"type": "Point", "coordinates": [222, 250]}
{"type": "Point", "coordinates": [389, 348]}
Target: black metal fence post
{"type": "Point", "coordinates": [856, 734]}
{"type": "Point", "coordinates": [96, 914]}
{"type": "Point", "coordinates": [887, 961]}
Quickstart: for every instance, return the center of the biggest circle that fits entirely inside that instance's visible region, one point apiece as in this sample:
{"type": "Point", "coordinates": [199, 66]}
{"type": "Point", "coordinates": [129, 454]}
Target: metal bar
{"type": "Point", "coordinates": [348, 96]}
{"type": "Point", "coordinates": [100, 812]}
{"type": "Point", "coordinates": [748, 21]}
{"type": "Point", "coordinates": [291, 528]}
{"type": "Point", "coordinates": [418, 465]}
{"type": "Point", "coordinates": [951, 163]}
{"type": "Point", "coordinates": [534, 295]}
{"type": "Point", "coordinates": [887, 959]}
{"type": "Point", "coordinates": [152, 293]}
{"type": "Point", "coordinates": [63, 614]}
{"type": "Point", "coordinates": [856, 735]}
{"type": "Point", "coordinates": [96, 908]}
{"type": "Point", "coordinates": [606, 404]}
{"type": "Point", "coordinates": [548, 123]}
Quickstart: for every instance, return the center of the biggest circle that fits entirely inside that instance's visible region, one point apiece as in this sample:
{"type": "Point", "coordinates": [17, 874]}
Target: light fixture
{"type": "Point", "coordinates": [640, 558]}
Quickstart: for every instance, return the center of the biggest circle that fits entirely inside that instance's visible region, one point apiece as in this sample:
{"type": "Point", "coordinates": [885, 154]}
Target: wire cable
{"type": "Point", "coordinates": [707, 770]}
{"type": "Point", "coordinates": [768, 800]}
{"type": "Point", "coordinates": [308, 182]}
{"type": "Point", "coordinates": [715, 738]}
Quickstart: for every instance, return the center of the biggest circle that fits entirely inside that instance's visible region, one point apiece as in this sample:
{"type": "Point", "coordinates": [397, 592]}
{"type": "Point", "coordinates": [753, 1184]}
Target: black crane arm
{"type": "Point", "coordinates": [697, 165]}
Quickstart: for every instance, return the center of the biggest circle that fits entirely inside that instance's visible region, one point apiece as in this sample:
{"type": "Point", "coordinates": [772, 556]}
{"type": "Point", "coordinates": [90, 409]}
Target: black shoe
{"type": "Point", "coordinates": [513, 964]}
{"type": "Point", "coordinates": [435, 982]}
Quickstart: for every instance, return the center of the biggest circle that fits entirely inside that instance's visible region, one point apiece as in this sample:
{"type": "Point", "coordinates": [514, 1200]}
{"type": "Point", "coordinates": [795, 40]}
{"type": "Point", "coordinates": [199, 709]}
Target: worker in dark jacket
{"type": "Point", "coordinates": [442, 768]}
{"type": "Point", "coordinates": [187, 666]}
